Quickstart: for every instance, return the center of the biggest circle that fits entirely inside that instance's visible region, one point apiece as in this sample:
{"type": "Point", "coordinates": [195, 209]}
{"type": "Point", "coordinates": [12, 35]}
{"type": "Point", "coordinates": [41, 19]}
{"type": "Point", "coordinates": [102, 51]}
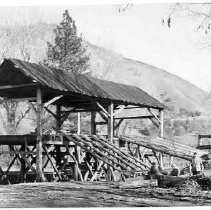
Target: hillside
{"type": "Point", "coordinates": [30, 42]}
{"type": "Point", "coordinates": [155, 81]}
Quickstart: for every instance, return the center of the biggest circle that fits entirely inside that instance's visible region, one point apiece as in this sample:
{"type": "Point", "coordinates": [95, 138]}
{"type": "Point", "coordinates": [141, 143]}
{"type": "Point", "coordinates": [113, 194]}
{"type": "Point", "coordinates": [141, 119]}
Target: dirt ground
{"type": "Point", "coordinates": [96, 194]}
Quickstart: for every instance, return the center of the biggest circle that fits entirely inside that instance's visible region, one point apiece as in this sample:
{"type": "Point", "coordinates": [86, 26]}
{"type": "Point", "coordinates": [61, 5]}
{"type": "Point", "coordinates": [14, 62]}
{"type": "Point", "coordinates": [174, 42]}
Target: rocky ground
{"type": "Point", "coordinates": [99, 194]}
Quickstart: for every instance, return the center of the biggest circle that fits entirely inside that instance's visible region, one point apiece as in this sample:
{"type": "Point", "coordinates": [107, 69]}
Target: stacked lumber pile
{"type": "Point", "coordinates": [108, 153]}
{"type": "Point", "coordinates": [164, 146]}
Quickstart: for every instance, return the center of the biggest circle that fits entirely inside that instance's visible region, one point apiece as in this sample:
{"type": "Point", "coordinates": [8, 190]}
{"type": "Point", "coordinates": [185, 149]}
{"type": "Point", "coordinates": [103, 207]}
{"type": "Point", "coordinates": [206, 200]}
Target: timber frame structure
{"type": "Point", "coordinates": [82, 157]}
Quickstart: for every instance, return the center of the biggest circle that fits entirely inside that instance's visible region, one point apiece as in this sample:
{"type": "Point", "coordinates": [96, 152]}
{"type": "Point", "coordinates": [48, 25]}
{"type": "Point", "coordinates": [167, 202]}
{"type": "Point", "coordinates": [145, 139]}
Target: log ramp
{"type": "Point", "coordinates": [164, 146]}
{"type": "Point", "coordinates": [86, 157]}
{"type": "Point", "coordinates": [108, 154]}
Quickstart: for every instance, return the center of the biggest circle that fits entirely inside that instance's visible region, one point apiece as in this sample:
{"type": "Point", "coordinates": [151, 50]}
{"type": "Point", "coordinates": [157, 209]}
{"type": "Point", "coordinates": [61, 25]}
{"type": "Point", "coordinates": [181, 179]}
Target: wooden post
{"type": "Point", "coordinates": [77, 151]}
{"type": "Point", "coordinates": [93, 124]}
{"type": "Point", "coordinates": [79, 124]}
{"type": "Point", "coordinates": [161, 128]}
{"type": "Point", "coordinates": [171, 158]}
{"type": "Point", "coordinates": [58, 118]}
{"type": "Point", "coordinates": [40, 176]}
{"type": "Point", "coordinates": [111, 123]}
{"type": "Point", "coordinates": [110, 135]}
{"type": "Point", "coordinates": [161, 123]}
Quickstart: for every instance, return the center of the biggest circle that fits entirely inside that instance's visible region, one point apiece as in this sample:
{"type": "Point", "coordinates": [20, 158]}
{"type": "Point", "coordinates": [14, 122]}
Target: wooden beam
{"type": "Point", "coordinates": [101, 123]}
{"type": "Point", "coordinates": [40, 176]}
{"type": "Point", "coordinates": [79, 124]}
{"type": "Point", "coordinates": [161, 123]}
{"type": "Point", "coordinates": [58, 118]}
{"type": "Point", "coordinates": [103, 109]}
{"type": "Point", "coordinates": [17, 86]}
{"type": "Point", "coordinates": [135, 117]}
{"type": "Point", "coordinates": [32, 106]}
{"type": "Point", "coordinates": [156, 117]}
{"type": "Point", "coordinates": [20, 99]}
{"type": "Point", "coordinates": [119, 110]}
{"type": "Point", "coordinates": [93, 124]}
{"type": "Point", "coordinates": [111, 123]}
{"type": "Point", "coordinates": [161, 129]}
{"type": "Point", "coordinates": [118, 124]}
{"type": "Point", "coordinates": [110, 135]}
{"type": "Point", "coordinates": [51, 161]}
{"type": "Point", "coordinates": [50, 112]}
{"type": "Point", "coordinates": [104, 116]}
{"type": "Point", "coordinates": [52, 100]}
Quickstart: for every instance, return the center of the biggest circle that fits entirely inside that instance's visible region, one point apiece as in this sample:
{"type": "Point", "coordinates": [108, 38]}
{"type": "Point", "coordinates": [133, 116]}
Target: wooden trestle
{"type": "Point", "coordinates": [83, 157]}
{"type": "Point", "coordinates": [64, 161]}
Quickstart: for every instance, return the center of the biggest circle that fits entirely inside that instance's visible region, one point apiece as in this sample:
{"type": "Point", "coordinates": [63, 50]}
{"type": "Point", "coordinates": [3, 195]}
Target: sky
{"type": "Point", "coordinates": [136, 33]}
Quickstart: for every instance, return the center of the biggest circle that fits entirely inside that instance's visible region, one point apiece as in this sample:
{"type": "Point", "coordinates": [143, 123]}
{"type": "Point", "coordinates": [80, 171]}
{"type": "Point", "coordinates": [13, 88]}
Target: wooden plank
{"type": "Point", "coordinates": [135, 117]}
{"type": "Point", "coordinates": [20, 99]}
{"type": "Point", "coordinates": [17, 86]}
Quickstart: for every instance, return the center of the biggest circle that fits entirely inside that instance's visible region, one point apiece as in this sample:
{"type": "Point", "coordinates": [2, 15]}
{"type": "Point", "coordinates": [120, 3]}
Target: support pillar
{"type": "Point", "coordinates": [58, 118]}
{"type": "Point", "coordinates": [40, 176]}
{"type": "Point", "coordinates": [77, 150]}
{"type": "Point", "coordinates": [111, 123]}
{"type": "Point", "coordinates": [161, 129]}
{"type": "Point", "coordinates": [93, 124]}
{"type": "Point", "coordinates": [110, 136]}
{"type": "Point", "coordinates": [161, 124]}
{"type": "Point", "coordinates": [79, 124]}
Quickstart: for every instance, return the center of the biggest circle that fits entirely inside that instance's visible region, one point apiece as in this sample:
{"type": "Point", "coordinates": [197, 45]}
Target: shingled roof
{"type": "Point", "coordinates": [76, 87]}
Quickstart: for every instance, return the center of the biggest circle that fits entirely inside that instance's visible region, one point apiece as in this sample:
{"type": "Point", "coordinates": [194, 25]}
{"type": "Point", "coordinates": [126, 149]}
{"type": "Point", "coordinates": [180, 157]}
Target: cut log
{"type": "Point", "coordinates": [118, 151]}
{"type": "Point", "coordinates": [93, 153]}
{"type": "Point", "coordinates": [160, 147]}
{"type": "Point", "coordinates": [112, 153]}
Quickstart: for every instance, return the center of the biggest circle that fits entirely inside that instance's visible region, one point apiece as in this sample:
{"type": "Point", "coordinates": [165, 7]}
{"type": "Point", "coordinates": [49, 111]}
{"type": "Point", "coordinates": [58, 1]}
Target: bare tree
{"type": "Point", "coordinates": [199, 12]}
{"type": "Point", "coordinates": [16, 43]}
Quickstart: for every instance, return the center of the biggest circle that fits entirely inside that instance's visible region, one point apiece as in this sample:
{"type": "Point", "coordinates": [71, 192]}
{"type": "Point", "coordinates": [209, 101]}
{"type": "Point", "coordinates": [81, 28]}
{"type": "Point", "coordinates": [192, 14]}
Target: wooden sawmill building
{"type": "Point", "coordinates": [44, 87]}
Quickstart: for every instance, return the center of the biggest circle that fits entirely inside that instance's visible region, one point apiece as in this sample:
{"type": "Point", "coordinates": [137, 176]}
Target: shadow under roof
{"type": "Point", "coordinates": [76, 88]}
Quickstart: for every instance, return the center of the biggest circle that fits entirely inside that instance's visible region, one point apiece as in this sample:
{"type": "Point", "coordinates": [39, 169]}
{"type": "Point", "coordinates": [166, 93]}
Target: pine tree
{"type": "Point", "coordinates": [67, 52]}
